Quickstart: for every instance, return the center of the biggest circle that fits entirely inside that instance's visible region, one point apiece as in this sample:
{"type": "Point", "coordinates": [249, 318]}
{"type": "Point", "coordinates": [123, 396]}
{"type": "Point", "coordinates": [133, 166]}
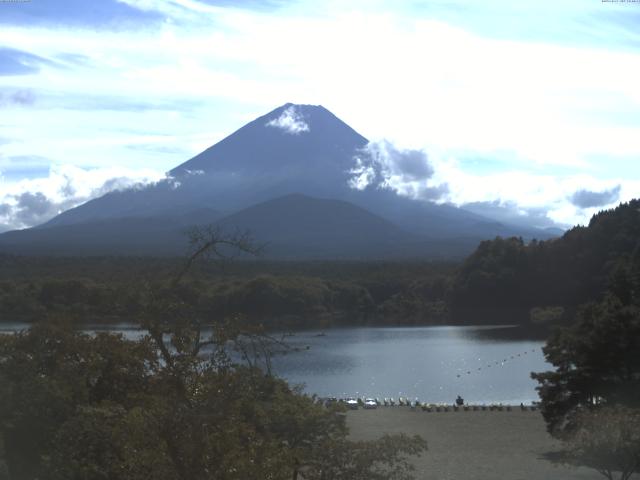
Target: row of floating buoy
{"type": "Point", "coordinates": [428, 407]}
{"type": "Point", "coordinates": [498, 362]}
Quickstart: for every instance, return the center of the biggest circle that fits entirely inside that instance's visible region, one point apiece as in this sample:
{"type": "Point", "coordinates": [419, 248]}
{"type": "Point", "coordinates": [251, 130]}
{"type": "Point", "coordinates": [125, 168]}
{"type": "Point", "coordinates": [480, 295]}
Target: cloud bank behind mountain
{"type": "Point", "coordinates": [34, 201]}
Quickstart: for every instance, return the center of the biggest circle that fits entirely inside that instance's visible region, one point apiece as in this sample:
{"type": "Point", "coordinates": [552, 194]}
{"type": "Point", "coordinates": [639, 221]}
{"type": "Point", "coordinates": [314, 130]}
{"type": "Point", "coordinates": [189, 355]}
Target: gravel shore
{"type": "Point", "coordinates": [480, 445]}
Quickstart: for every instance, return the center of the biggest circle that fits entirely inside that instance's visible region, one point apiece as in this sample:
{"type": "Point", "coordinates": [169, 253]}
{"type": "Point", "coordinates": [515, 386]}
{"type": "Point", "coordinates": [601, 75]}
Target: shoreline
{"type": "Point", "coordinates": [443, 407]}
{"type": "Point", "coordinates": [498, 331]}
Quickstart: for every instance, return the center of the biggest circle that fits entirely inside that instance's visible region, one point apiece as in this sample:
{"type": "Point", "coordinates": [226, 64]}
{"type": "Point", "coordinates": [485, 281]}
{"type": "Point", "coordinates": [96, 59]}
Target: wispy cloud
{"type": "Point", "coordinates": [18, 62]}
{"type": "Point", "coordinates": [16, 97]}
{"type": "Point", "coordinates": [571, 22]}
{"type": "Point", "coordinates": [512, 213]}
{"type": "Point", "coordinates": [381, 164]}
{"type": "Point", "coordinates": [76, 13]}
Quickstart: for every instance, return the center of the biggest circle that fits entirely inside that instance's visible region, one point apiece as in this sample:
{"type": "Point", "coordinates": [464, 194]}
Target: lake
{"type": "Point", "coordinates": [433, 364]}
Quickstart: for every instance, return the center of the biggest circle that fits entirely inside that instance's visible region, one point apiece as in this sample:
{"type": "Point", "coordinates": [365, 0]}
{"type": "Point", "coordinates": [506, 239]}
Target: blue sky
{"type": "Point", "coordinates": [531, 108]}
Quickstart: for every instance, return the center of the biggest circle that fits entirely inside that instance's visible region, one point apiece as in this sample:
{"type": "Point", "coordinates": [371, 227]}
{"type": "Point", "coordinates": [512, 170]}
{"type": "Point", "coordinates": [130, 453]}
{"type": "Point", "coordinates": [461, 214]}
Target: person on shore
{"type": "Point", "coordinates": [459, 401]}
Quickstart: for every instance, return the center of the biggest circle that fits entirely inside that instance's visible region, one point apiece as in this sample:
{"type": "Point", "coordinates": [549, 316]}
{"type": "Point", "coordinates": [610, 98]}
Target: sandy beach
{"type": "Point", "coordinates": [480, 445]}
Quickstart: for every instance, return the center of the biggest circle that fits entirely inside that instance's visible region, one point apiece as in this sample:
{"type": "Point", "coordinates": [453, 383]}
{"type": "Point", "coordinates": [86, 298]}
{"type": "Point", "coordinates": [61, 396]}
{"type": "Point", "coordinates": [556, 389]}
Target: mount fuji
{"type": "Point", "coordinates": [297, 178]}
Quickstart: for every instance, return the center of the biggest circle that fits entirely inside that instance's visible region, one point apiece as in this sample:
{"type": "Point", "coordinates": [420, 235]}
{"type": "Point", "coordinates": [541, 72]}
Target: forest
{"type": "Point", "coordinates": [544, 282]}
{"type": "Point", "coordinates": [276, 294]}
{"type": "Point", "coordinates": [506, 280]}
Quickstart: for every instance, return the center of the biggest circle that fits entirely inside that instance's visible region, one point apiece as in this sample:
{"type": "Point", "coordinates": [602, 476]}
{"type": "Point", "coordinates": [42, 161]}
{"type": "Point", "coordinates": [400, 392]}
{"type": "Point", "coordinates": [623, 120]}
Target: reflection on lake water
{"type": "Point", "coordinates": [434, 364]}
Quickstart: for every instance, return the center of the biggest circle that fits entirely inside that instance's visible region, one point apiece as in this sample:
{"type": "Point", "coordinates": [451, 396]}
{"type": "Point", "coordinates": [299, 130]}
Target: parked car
{"type": "Point", "coordinates": [352, 403]}
{"type": "Point", "coordinates": [370, 403]}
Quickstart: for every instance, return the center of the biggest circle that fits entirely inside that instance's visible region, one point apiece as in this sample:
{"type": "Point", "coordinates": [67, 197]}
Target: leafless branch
{"type": "Point", "coordinates": [209, 242]}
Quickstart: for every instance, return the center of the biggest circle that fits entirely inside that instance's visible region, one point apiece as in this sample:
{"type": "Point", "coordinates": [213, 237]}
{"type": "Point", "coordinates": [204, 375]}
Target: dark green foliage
{"type": "Point", "coordinates": [77, 406]}
{"type": "Point", "coordinates": [48, 372]}
{"type": "Point", "coordinates": [295, 300]}
{"type": "Point", "coordinates": [421, 301]}
{"type": "Point", "coordinates": [291, 295]}
{"type": "Point", "coordinates": [546, 315]}
{"type": "Point", "coordinates": [505, 278]}
{"type": "Point", "coordinates": [492, 280]}
{"type": "Point", "coordinates": [597, 363]}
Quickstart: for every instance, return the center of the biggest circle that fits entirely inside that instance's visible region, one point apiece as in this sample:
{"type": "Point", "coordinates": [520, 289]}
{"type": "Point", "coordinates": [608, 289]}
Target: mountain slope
{"type": "Point", "coordinates": [253, 164]}
{"type": "Point", "coordinates": [301, 226]}
{"type": "Point", "coordinates": [322, 143]}
{"type": "Point", "coordinates": [295, 149]}
{"type": "Point", "coordinates": [161, 235]}
{"type": "Point", "coordinates": [290, 227]}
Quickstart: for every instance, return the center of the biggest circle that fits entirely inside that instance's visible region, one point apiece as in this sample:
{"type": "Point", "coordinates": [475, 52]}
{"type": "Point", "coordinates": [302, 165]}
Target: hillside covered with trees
{"type": "Point", "coordinates": [507, 279]}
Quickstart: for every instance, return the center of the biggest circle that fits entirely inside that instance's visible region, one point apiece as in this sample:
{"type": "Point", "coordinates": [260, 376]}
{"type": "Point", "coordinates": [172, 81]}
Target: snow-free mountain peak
{"type": "Point", "coordinates": [290, 140]}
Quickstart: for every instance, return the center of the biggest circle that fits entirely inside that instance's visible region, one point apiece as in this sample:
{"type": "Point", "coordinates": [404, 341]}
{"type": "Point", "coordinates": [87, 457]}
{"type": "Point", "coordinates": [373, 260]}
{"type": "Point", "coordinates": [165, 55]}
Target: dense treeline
{"type": "Point", "coordinates": [508, 279]}
{"type": "Point", "coordinates": [110, 268]}
{"type": "Point", "coordinates": [313, 294]}
{"type": "Point", "coordinates": [596, 360]}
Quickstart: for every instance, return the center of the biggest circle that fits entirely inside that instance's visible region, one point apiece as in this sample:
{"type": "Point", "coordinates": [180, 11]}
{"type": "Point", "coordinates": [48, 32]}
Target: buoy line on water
{"type": "Point", "coordinates": [499, 363]}
{"type": "Point", "coordinates": [405, 401]}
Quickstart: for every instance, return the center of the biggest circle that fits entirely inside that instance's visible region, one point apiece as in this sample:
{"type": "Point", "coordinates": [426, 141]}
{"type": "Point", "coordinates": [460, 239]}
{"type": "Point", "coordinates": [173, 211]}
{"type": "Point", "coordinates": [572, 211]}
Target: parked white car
{"type": "Point", "coordinates": [370, 403]}
{"type": "Point", "coordinates": [352, 403]}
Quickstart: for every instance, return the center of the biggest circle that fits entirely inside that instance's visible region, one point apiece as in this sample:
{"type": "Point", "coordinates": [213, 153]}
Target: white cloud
{"type": "Point", "coordinates": [517, 197]}
{"type": "Point", "coordinates": [176, 8]}
{"type": "Point", "coordinates": [362, 175]}
{"type": "Point", "coordinates": [31, 202]}
{"type": "Point", "coordinates": [511, 213]}
{"type": "Point", "coordinates": [381, 164]}
{"type": "Point", "coordinates": [526, 192]}
{"type": "Point", "coordinates": [290, 121]}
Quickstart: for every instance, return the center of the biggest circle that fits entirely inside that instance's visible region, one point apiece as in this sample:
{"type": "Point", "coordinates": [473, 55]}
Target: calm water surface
{"type": "Point", "coordinates": [433, 364]}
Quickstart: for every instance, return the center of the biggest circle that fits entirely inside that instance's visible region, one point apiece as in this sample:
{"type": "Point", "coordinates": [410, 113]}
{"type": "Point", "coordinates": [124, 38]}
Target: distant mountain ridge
{"type": "Point", "coordinates": [301, 150]}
